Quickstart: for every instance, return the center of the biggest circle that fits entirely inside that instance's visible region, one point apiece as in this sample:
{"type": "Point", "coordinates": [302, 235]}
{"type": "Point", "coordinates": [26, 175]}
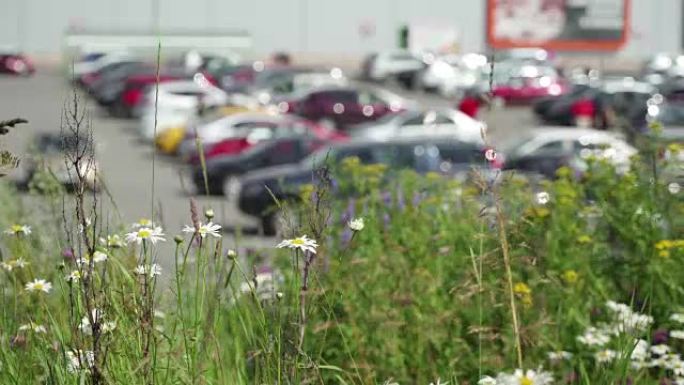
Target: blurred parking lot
{"type": "Point", "coordinates": [126, 161]}
{"type": "Point", "coordinates": [262, 123]}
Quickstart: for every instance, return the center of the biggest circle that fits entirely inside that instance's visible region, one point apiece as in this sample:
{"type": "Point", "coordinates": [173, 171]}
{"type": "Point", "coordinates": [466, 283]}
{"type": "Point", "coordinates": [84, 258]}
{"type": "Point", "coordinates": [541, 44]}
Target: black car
{"type": "Point", "coordinates": [112, 79]}
{"type": "Point", "coordinates": [558, 110]}
{"type": "Point", "coordinates": [221, 172]}
{"type": "Point", "coordinates": [443, 155]}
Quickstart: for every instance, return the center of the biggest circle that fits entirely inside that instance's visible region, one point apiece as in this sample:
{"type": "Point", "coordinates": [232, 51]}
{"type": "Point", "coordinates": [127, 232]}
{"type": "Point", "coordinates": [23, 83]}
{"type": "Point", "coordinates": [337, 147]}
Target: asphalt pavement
{"type": "Point", "coordinates": [127, 164]}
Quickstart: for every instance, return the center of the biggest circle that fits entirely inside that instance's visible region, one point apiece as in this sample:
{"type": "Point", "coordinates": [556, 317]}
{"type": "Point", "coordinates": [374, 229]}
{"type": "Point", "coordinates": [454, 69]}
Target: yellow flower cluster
{"type": "Point", "coordinates": [523, 292]}
{"type": "Point", "coordinates": [584, 239]}
{"type": "Point", "coordinates": [570, 276]}
{"type": "Point", "coordinates": [667, 246]}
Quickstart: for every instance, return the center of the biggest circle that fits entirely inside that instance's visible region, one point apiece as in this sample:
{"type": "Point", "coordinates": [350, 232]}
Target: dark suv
{"type": "Point", "coordinates": [447, 156]}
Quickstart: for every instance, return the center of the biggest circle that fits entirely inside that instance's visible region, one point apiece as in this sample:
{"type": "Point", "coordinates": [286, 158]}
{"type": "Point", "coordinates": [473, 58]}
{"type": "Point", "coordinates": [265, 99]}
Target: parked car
{"type": "Point", "coordinates": [291, 85]}
{"type": "Point", "coordinates": [50, 151]}
{"type": "Point", "coordinates": [94, 61]}
{"type": "Point", "coordinates": [412, 123]}
{"type": "Point", "coordinates": [15, 63]}
{"type": "Point", "coordinates": [545, 149]}
{"type": "Point", "coordinates": [169, 140]}
{"type": "Point", "coordinates": [386, 65]}
{"type": "Point", "coordinates": [342, 107]}
{"type": "Point", "coordinates": [521, 84]}
{"type": "Point", "coordinates": [450, 75]}
{"type": "Point", "coordinates": [289, 145]}
{"type": "Point", "coordinates": [235, 133]}
{"type": "Point", "coordinates": [558, 110]}
{"type": "Point", "coordinates": [174, 103]}
{"type": "Point", "coordinates": [443, 155]}
{"type": "Point", "coordinates": [130, 102]}
{"type": "Point", "coordinates": [109, 82]}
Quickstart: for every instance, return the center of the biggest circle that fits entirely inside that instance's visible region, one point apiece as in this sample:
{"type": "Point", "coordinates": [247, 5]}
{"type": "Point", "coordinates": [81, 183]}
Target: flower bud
{"type": "Point", "coordinates": [209, 213]}
{"type": "Point", "coordinates": [231, 254]}
{"type": "Point", "coordinates": [279, 295]}
{"type": "Point", "coordinates": [178, 239]}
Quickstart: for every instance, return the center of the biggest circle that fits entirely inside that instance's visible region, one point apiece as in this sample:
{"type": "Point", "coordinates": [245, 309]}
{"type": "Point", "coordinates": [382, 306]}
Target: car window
{"type": "Point", "coordinates": [368, 97]}
{"type": "Point", "coordinates": [553, 147]}
{"type": "Point", "coordinates": [403, 56]}
{"type": "Point", "coordinates": [257, 129]}
{"type": "Point", "coordinates": [460, 153]}
{"type": "Point", "coordinates": [341, 96]}
{"type": "Point", "coordinates": [427, 118]}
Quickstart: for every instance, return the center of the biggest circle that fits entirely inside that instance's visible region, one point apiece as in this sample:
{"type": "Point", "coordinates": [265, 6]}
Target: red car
{"type": "Point", "coordinates": [132, 97]}
{"type": "Point", "coordinates": [16, 64]}
{"type": "Point", "coordinates": [341, 107]}
{"type": "Point", "coordinates": [523, 90]}
{"type": "Point", "coordinates": [289, 127]}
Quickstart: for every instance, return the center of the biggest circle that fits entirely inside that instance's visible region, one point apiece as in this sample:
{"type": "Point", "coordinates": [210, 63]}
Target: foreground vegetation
{"type": "Point", "coordinates": [410, 279]}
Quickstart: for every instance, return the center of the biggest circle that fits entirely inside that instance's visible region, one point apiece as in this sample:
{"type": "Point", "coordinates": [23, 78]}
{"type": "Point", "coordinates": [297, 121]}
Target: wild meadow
{"type": "Point", "coordinates": [378, 277]}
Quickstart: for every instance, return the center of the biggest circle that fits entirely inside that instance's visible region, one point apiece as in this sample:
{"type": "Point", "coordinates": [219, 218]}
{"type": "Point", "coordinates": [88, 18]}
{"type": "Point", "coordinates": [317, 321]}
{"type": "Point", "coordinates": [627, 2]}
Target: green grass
{"type": "Point", "coordinates": [420, 293]}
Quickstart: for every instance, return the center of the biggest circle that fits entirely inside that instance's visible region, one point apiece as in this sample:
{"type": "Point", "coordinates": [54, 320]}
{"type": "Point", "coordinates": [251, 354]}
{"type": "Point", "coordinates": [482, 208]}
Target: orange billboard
{"type": "Point", "coordinates": [573, 25]}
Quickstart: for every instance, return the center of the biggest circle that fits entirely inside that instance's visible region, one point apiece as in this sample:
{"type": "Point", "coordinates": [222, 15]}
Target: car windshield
{"type": "Point", "coordinates": [318, 157]}
{"type": "Point", "coordinates": [511, 147]}
{"type": "Point", "coordinates": [671, 115]}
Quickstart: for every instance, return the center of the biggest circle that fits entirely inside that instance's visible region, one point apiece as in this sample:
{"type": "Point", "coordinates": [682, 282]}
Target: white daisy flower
{"type": "Point", "coordinates": [660, 349]}
{"type": "Point", "coordinates": [604, 356]}
{"type": "Point", "coordinates": [594, 337]}
{"type": "Point", "coordinates": [677, 317]}
{"type": "Point", "coordinates": [529, 377]}
{"type": "Point", "coordinates": [113, 241]}
{"type": "Point", "coordinates": [87, 224]}
{"type": "Point", "coordinates": [79, 360]}
{"type": "Point", "coordinates": [97, 317]}
{"type": "Point", "coordinates": [33, 327]}
{"type": "Point", "coordinates": [18, 230]}
{"type": "Point", "coordinates": [75, 276]}
{"type": "Point", "coordinates": [99, 256]}
{"type": "Point", "coordinates": [18, 263]}
{"type": "Point", "coordinates": [678, 334]}
{"type": "Point", "coordinates": [153, 235]}
{"type": "Point", "coordinates": [560, 355]}
{"type": "Point", "coordinates": [85, 327]}
{"type": "Point", "coordinates": [356, 224]}
{"type": "Point", "coordinates": [302, 243]}
{"type": "Point", "coordinates": [640, 351]}
{"type": "Point", "coordinates": [487, 380]}
{"type": "Point", "coordinates": [108, 326]}
{"type": "Point", "coordinates": [153, 271]}
{"type": "Point", "coordinates": [38, 285]}
{"type": "Point", "coordinates": [204, 230]}
{"type": "Point", "coordinates": [542, 197]}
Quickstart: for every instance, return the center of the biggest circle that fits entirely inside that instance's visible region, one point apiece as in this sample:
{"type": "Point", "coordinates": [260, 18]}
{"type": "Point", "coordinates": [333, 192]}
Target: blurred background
{"type": "Point", "coordinates": [271, 86]}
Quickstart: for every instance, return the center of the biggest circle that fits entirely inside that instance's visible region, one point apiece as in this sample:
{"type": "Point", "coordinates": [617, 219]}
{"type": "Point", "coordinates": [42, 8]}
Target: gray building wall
{"type": "Point", "coordinates": [312, 26]}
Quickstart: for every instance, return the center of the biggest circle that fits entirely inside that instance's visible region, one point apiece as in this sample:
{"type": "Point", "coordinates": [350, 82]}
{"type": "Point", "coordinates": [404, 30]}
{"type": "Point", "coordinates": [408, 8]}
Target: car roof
{"type": "Point", "coordinates": [626, 84]}
{"type": "Point", "coordinates": [561, 132]}
{"type": "Point", "coordinates": [401, 141]}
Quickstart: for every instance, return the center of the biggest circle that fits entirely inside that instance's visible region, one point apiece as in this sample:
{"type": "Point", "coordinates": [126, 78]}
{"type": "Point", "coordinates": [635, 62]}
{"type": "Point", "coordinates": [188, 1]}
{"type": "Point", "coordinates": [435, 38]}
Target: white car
{"type": "Point", "coordinates": [294, 84]}
{"type": "Point", "coordinates": [84, 67]}
{"type": "Point", "coordinates": [257, 126]}
{"type": "Point", "coordinates": [414, 123]}
{"type": "Point", "coordinates": [383, 65]}
{"type": "Point", "coordinates": [452, 73]}
{"type": "Point", "coordinates": [574, 142]}
{"type": "Point", "coordinates": [178, 102]}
